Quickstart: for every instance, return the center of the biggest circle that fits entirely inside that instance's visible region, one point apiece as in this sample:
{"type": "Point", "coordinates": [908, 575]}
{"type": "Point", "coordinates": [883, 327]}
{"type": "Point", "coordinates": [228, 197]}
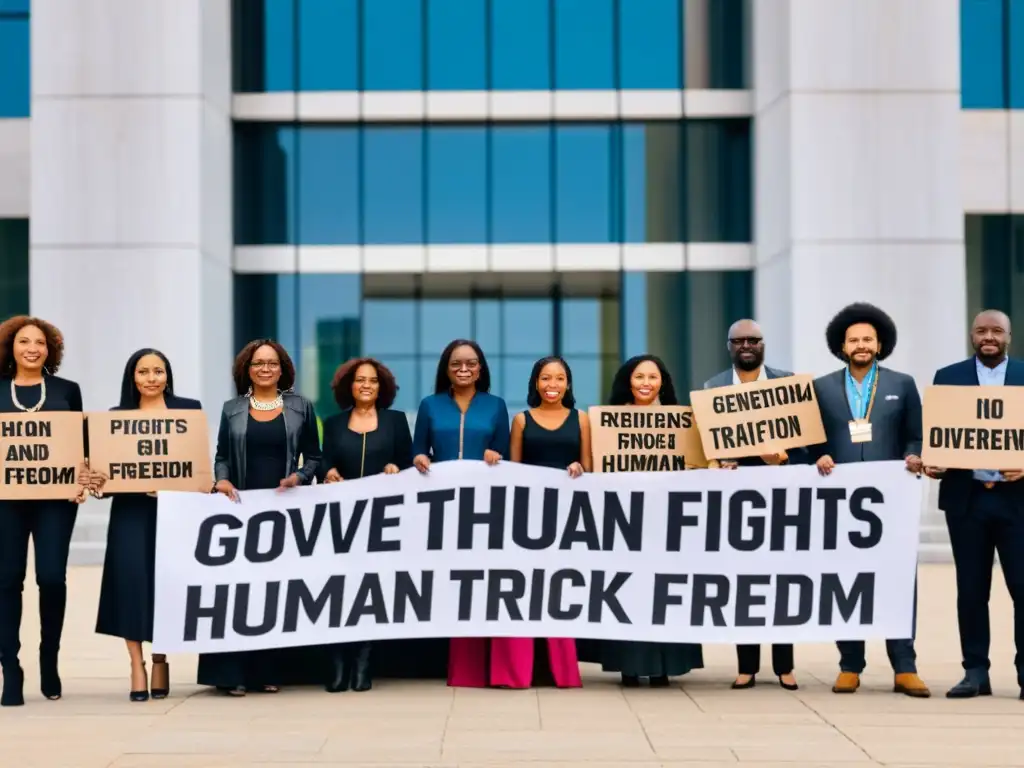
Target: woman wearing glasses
{"type": "Point", "coordinates": [263, 433]}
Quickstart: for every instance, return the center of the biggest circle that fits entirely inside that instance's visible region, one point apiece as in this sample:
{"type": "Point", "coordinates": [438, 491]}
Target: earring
{"type": "Point", "coordinates": [249, 391]}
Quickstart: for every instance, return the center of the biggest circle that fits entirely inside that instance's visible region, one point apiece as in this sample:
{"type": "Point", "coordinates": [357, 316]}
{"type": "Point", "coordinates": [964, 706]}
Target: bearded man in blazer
{"type": "Point", "coordinates": [870, 413]}
{"type": "Point", "coordinates": [984, 514]}
{"type": "Point", "coordinates": [745, 343]}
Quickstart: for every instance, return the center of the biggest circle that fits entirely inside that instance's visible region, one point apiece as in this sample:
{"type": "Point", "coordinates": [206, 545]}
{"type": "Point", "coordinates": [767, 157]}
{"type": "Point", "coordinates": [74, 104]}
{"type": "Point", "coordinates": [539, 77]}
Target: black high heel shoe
{"type": "Point", "coordinates": [738, 686]}
{"type": "Point", "coordinates": [140, 695]}
{"type": "Point", "coordinates": [14, 686]}
{"type": "Point", "coordinates": [630, 681]}
{"type": "Point", "coordinates": [659, 681]}
{"type": "Point", "coordinates": [788, 686]}
{"type": "Point", "coordinates": [49, 678]}
{"type": "Point", "coordinates": [162, 693]}
{"type": "Point", "coordinates": [338, 675]}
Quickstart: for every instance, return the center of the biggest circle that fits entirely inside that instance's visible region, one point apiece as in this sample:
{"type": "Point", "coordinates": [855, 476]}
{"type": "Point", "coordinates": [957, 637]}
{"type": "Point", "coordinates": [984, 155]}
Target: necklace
{"type": "Point", "coordinates": [34, 408]}
{"type": "Point", "coordinates": [273, 405]}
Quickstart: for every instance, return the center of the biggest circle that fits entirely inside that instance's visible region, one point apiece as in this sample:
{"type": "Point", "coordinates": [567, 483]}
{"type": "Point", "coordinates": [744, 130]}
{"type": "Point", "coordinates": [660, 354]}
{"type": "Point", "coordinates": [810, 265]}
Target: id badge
{"type": "Point", "coordinates": [860, 431]}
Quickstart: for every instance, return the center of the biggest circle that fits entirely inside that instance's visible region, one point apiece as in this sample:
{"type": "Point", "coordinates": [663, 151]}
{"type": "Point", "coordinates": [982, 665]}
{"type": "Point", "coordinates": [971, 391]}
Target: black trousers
{"type": "Point", "coordinates": [993, 522]}
{"type": "Point", "coordinates": [50, 525]}
{"type": "Point", "coordinates": [749, 659]}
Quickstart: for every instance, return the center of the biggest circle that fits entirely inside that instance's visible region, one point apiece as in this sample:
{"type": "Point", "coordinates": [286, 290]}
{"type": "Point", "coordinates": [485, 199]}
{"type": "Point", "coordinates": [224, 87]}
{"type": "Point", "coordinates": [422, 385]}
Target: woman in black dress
{"type": "Point", "coordinates": [126, 593]}
{"type": "Point", "coordinates": [263, 433]}
{"type": "Point", "coordinates": [551, 434]}
{"type": "Point", "coordinates": [30, 354]}
{"type": "Point", "coordinates": [366, 438]}
{"type": "Point", "coordinates": [645, 382]}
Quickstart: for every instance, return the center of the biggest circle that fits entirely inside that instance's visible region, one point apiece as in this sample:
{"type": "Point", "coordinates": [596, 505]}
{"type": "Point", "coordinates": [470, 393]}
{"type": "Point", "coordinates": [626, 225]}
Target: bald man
{"type": "Point", "coordinates": [985, 514]}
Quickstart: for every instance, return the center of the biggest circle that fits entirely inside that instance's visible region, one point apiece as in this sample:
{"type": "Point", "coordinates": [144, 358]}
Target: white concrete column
{"type": "Point", "coordinates": [131, 188]}
{"type": "Point", "coordinates": [858, 175]}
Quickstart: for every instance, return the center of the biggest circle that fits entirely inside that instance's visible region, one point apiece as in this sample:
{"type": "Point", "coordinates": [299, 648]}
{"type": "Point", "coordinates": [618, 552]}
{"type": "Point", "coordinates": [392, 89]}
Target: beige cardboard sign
{"type": "Point", "coordinates": [631, 438]}
{"type": "Point", "coordinates": [146, 451]}
{"type": "Point", "coordinates": [973, 427]}
{"type": "Point", "coordinates": [41, 455]}
{"type": "Point", "coordinates": [758, 418]}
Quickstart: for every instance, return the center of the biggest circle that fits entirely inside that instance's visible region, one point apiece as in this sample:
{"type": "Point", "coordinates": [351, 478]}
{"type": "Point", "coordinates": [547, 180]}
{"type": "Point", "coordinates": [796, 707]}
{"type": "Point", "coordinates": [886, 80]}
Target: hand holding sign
{"type": "Point", "coordinates": [333, 476]}
{"type": "Point", "coordinates": [491, 457]}
{"type": "Point", "coordinates": [289, 482]}
{"type": "Point", "coordinates": [1012, 475]}
{"type": "Point", "coordinates": [225, 487]}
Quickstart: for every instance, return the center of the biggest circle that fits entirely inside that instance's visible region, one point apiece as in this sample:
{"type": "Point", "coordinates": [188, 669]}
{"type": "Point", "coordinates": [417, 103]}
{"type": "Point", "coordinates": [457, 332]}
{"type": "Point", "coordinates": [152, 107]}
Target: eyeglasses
{"type": "Point", "coordinates": [749, 341]}
{"type": "Point", "coordinates": [458, 365]}
{"type": "Point", "coordinates": [270, 365]}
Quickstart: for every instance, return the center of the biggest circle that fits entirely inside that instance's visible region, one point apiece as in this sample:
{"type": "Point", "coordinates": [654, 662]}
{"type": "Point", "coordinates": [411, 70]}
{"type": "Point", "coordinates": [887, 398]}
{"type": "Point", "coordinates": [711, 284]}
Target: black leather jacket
{"type": "Point", "coordinates": [300, 427]}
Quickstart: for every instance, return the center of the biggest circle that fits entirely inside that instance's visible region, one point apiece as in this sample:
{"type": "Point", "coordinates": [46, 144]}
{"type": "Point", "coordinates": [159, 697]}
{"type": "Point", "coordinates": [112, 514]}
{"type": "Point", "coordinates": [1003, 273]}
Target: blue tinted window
{"type": "Point", "coordinates": [265, 45]}
{"type": "Point", "coordinates": [15, 6]}
{"type": "Point", "coordinates": [584, 44]}
{"type": "Point", "coordinates": [406, 371]}
{"type": "Point", "coordinates": [15, 60]}
{"type": "Point", "coordinates": [393, 45]}
{"type": "Point", "coordinates": [516, 372]}
{"type": "Point", "coordinates": [328, 45]}
{"type": "Point", "coordinates": [393, 185]}
{"type": "Point", "coordinates": [328, 315]}
{"type": "Point", "coordinates": [651, 178]}
{"type": "Point", "coordinates": [718, 203]}
{"type": "Point", "coordinates": [487, 325]}
{"type": "Point", "coordinates": [264, 169]}
{"type": "Point", "coordinates": [583, 196]}
{"type": "Point", "coordinates": [520, 45]}
{"type": "Point", "coordinates": [1015, 53]}
{"type": "Point", "coordinates": [456, 185]}
{"type": "Point", "coordinates": [328, 185]}
{"type": "Point", "coordinates": [650, 47]}
{"type": "Point", "coordinates": [982, 77]}
{"type": "Point", "coordinates": [13, 267]}
{"type": "Point", "coordinates": [580, 331]}
{"type": "Point", "coordinates": [456, 45]}
{"type": "Point", "coordinates": [388, 327]}
{"type": "Point", "coordinates": [527, 328]}
{"type": "Point", "coordinates": [634, 313]}
{"type": "Point", "coordinates": [521, 184]}
{"type": "Point", "coordinates": [441, 321]}
{"type": "Point", "coordinates": [587, 380]}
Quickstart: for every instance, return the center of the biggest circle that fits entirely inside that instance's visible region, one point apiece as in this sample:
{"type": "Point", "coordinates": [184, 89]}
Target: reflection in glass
{"type": "Point", "coordinates": [527, 327]}
{"type": "Point", "coordinates": [520, 45]}
{"type": "Point", "coordinates": [982, 54]}
{"type": "Point", "coordinates": [456, 45]}
{"type": "Point", "coordinates": [393, 45]}
{"type": "Point", "coordinates": [584, 44]}
{"type": "Point", "coordinates": [15, 58]}
{"type": "Point", "coordinates": [14, 248]}
{"type": "Point", "coordinates": [653, 174]}
{"type": "Point", "coordinates": [393, 185]}
{"type": "Point", "coordinates": [443, 320]}
{"type": "Point", "coordinates": [718, 169]}
{"type": "Point", "coordinates": [457, 184]}
{"type": "Point", "coordinates": [328, 42]}
{"type": "Point", "coordinates": [264, 184]}
{"type": "Point", "coordinates": [715, 46]}
{"type": "Point", "coordinates": [1015, 54]}
{"type": "Point", "coordinates": [330, 210]}
{"type": "Point", "coordinates": [264, 45]}
{"type": "Point", "coordinates": [583, 184]}
{"type": "Point", "coordinates": [650, 44]}
{"type": "Point", "coordinates": [521, 184]}
{"type": "Point", "coordinates": [388, 325]}
{"type": "Point", "coordinates": [995, 263]}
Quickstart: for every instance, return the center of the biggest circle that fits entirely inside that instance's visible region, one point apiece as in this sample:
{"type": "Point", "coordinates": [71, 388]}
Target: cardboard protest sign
{"type": "Point", "coordinates": [628, 438]}
{"type": "Point", "coordinates": [146, 451]}
{"type": "Point", "coordinates": [973, 427]}
{"type": "Point", "coordinates": [758, 418]}
{"type": "Point", "coordinates": [41, 454]}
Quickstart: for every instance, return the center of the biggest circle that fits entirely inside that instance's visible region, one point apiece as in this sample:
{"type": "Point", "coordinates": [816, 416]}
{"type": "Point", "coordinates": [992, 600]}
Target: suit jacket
{"type": "Point", "coordinates": [300, 427]}
{"type": "Point", "coordinates": [724, 379]}
{"type": "Point", "coordinates": [389, 443]}
{"type": "Point", "coordinates": [955, 485]}
{"type": "Point", "coordinates": [895, 419]}
{"type": "Point", "coordinates": [61, 395]}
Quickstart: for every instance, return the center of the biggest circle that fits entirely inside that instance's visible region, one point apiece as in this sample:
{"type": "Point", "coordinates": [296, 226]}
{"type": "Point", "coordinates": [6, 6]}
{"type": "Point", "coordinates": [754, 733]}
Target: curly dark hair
{"type": "Point", "coordinates": [622, 391]}
{"type": "Point", "coordinates": [533, 396]}
{"type": "Point", "coordinates": [130, 396]}
{"type": "Point", "coordinates": [54, 343]}
{"type": "Point", "coordinates": [240, 368]}
{"type": "Point", "coordinates": [443, 384]}
{"type": "Point", "coordinates": [341, 384]}
{"type": "Point", "coordinates": [861, 312]}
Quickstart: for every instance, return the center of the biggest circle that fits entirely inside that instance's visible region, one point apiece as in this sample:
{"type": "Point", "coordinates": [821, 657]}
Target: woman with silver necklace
{"type": "Point", "coordinates": [263, 433]}
{"type": "Point", "coordinates": [30, 354]}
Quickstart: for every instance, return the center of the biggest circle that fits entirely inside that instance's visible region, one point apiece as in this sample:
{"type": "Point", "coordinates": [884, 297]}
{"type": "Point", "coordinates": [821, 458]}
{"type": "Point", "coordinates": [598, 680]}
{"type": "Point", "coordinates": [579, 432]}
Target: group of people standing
{"type": "Point", "coordinates": [268, 437]}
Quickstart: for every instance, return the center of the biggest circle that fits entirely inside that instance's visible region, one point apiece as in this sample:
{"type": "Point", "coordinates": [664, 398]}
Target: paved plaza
{"type": "Point", "coordinates": [698, 724]}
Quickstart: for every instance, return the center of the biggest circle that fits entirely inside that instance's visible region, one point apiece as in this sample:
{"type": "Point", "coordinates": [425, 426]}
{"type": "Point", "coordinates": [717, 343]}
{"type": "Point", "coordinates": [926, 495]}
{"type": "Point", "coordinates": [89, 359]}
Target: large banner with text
{"type": "Point", "coordinates": [757, 555]}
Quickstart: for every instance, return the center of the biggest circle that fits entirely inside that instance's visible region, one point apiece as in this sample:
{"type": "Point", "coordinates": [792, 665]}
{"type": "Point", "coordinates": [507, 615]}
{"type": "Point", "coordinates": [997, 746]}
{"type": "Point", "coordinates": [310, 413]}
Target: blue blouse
{"type": "Point", "coordinates": [439, 422]}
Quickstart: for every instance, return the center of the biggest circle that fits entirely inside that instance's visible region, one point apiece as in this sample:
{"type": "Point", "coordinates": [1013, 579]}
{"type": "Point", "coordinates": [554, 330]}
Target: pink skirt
{"type": "Point", "coordinates": [507, 662]}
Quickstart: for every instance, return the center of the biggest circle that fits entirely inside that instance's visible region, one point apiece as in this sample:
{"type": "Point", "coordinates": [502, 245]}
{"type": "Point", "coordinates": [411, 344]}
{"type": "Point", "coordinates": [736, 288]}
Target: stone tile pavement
{"type": "Point", "coordinates": [699, 723]}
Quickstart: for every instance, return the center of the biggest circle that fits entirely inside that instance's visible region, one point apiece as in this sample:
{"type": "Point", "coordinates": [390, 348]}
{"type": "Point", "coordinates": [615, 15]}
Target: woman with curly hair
{"type": "Point", "coordinates": [366, 438]}
{"type": "Point", "coordinates": [30, 355]}
{"type": "Point", "coordinates": [263, 433]}
{"type": "Point", "coordinates": [644, 381]}
{"type": "Point", "coordinates": [126, 591]}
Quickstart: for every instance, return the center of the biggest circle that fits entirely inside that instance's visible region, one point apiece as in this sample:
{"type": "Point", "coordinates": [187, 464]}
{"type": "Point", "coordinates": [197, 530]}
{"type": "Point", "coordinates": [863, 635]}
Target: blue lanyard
{"type": "Point", "coordinates": [860, 398]}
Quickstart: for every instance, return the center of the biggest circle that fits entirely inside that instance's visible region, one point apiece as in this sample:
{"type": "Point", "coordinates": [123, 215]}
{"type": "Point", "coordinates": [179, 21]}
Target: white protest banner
{"type": "Point", "coordinates": [755, 555]}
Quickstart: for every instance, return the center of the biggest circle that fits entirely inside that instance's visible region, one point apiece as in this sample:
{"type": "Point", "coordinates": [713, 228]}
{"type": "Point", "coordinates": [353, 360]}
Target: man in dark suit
{"type": "Point", "coordinates": [745, 343]}
{"type": "Point", "coordinates": [870, 413]}
{"type": "Point", "coordinates": [985, 514]}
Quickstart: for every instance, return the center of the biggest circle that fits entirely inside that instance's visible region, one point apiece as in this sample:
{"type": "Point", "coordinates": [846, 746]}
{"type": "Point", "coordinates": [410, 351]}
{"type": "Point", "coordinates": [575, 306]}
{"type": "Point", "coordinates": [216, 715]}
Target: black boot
{"type": "Point", "coordinates": [14, 684]}
{"type": "Point", "coordinates": [52, 603]}
{"type": "Point", "coordinates": [338, 670]}
{"type": "Point", "coordinates": [10, 645]}
{"type": "Point", "coordinates": [362, 679]}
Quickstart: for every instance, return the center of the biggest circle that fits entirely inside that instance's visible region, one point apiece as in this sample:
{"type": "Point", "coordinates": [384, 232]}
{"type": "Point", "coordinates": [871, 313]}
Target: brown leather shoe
{"type": "Point", "coordinates": [910, 684]}
{"type": "Point", "coordinates": [847, 682]}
